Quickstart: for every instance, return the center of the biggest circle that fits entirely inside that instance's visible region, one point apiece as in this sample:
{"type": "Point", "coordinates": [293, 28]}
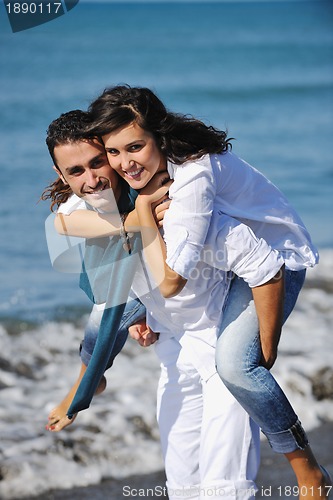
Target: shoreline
{"type": "Point", "coordinates": [275, 479]}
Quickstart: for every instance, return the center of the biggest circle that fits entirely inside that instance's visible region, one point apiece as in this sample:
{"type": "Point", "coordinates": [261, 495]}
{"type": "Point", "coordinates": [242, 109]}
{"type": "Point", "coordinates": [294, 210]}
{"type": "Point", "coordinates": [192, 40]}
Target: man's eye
{"type": "Point", "coordinates": [98, 163]}
{"type": "Point", "coordinates": [75, 172]}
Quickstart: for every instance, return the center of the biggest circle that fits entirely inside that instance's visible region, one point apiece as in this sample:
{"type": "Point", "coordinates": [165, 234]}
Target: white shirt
{"type": "Point", "coordinates": [228, 214]}
{"type": "Point", "coordinates": [73, 203]}
{"type": "Point", "coordinates": [196, 307]}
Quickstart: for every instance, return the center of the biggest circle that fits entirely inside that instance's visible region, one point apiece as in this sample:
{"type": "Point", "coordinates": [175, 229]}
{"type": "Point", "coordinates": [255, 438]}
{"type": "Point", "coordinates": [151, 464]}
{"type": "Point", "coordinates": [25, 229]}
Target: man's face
{"type": "Point", "coordinates": [85, 168]}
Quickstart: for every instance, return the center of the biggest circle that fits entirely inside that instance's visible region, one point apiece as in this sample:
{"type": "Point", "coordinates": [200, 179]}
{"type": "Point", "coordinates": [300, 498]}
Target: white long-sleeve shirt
{"type": "Point", "coordinates": [228, 214]}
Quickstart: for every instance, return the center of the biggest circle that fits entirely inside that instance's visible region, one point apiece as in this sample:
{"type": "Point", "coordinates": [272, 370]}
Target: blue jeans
{"type": "Point", "coordinates": [134, 311]}
{"type": "Point", "coordinates": [238, 355]}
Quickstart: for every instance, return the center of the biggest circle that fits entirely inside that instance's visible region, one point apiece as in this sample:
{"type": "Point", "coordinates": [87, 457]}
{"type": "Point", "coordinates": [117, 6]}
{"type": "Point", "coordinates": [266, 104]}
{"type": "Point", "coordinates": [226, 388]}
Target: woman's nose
{"type": "Point", "coordinates": [126, 162]}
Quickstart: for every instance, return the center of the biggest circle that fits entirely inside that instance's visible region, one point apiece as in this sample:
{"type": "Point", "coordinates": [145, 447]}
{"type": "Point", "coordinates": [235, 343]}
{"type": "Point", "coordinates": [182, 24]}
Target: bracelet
{"type": "Point", "coordinates": [124, 235]}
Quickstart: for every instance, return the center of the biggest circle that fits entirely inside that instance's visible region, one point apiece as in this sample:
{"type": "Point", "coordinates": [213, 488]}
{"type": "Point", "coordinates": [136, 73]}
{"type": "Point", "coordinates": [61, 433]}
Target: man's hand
{"type": "Point", "coordinates": [143, 334]}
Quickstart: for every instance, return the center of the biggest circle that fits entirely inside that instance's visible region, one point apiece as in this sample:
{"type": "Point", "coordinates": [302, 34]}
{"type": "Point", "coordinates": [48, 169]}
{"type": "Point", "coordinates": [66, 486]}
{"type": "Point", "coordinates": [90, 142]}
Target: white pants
{"type": "Point", "coordinates": [209, 443]}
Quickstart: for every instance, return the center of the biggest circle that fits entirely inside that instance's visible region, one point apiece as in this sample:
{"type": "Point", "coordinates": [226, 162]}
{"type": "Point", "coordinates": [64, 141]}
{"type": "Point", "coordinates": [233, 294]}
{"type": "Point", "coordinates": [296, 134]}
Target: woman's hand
{"type": "Point", "coordinates": [269, 302]}
{"type": "Point", "coordinates": [269, 355]}
{"type": "Point", "coordinates": [156, 190]}
{"type": "Point", "coordinates": [160, 210]}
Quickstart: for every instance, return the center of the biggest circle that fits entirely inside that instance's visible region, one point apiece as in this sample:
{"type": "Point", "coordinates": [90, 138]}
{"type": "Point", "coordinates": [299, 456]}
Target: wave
{"type": "Point", "coordinates": [265, 90]}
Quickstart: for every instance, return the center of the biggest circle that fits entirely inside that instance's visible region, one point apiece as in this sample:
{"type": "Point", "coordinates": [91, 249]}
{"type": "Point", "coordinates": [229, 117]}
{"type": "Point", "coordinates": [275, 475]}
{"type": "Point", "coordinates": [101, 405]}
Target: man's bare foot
{"type": "Point", "coordinates": [57, 419]}
{"type": "Point", "coordinates": [60, 424]}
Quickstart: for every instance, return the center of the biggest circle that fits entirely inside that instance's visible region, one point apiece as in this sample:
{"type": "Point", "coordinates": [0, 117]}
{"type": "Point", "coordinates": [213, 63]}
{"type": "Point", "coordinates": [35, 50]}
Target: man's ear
{"type": "Point", "coordinates": [60, 174]}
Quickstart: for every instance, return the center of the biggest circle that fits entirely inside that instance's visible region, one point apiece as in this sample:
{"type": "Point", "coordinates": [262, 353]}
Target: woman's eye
{"type": "Point", "coordinates": [136, 147]}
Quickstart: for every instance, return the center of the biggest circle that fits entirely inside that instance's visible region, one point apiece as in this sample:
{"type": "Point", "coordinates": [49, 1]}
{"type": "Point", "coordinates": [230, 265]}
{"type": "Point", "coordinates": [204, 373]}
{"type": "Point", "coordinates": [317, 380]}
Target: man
{"type": "Point", "coordinates": [83, 170]}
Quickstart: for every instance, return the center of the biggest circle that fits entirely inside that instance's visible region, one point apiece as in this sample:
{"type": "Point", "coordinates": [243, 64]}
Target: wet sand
{"type": "Point", "coordinates": [275, 479]}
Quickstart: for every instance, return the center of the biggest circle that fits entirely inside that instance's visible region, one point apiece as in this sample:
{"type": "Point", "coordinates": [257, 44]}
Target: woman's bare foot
{"type": "Point", "coordinates": [313, 480]}
{"type": "Point", "coordinates": [327, 481]}
{"type": "Point", "coordinates": [57, 419]}
{"type": "Point", "coordinates": [317, 486]}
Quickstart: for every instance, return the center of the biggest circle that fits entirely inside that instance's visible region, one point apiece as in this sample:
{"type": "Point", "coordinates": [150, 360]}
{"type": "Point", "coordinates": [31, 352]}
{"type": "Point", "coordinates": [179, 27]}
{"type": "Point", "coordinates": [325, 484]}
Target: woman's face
{"type": "Point", "coordinates": [134, 154]}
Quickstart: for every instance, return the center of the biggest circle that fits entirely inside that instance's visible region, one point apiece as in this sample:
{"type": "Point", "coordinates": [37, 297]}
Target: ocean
{"type": "Point", "coordinates": [263, 71]}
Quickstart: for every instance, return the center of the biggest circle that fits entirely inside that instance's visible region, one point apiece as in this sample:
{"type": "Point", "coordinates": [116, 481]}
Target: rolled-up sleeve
{"type": "Point", "coordinates": [233, 246]}
{"type": "Point", "coordinates": [187, 221]}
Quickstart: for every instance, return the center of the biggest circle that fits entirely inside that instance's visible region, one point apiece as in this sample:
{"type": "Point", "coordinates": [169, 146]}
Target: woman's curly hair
{"type": "Point", "coordinates": [179, 137]}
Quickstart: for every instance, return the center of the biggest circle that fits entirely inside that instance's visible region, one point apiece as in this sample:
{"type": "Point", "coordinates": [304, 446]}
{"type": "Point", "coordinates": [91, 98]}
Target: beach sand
{"type": "Point", "coordinates": [275, 479]}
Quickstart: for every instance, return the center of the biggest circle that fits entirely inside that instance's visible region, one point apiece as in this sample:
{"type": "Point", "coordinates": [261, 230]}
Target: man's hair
{"type": "Point", "coordinates": [69, 128]}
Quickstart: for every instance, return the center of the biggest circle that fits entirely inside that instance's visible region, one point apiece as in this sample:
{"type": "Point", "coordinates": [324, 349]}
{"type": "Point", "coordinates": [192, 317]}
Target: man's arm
{"type": "Point", "coordinates": [91, 224]}
{"type": "Point", "coordinates": [87, 224]}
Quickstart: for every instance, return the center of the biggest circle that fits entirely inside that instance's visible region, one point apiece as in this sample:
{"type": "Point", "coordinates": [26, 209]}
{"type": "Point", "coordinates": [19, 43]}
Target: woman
{"type": "Point", "coordinates": [142, 138]}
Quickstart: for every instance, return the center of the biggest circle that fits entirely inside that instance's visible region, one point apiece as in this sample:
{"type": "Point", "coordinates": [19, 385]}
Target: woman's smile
{"type": "Point", "coordinates": [134, 154]}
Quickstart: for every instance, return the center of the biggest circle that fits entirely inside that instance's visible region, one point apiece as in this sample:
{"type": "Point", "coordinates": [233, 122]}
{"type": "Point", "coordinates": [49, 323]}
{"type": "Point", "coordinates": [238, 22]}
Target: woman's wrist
{"type": "Point", "coordinates": [144, 210]}
{"type": "Point", "coordinates": [143, 202]}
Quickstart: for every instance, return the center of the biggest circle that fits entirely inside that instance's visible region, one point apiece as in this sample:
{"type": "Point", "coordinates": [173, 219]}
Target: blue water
{"type": "Point", "coordinates": [264, 70]}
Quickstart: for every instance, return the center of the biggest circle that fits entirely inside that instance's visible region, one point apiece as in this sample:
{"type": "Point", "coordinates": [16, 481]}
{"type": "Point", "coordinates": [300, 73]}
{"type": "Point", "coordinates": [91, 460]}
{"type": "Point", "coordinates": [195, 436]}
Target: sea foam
{"type": "Point", "coordinates": [118, 435]}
